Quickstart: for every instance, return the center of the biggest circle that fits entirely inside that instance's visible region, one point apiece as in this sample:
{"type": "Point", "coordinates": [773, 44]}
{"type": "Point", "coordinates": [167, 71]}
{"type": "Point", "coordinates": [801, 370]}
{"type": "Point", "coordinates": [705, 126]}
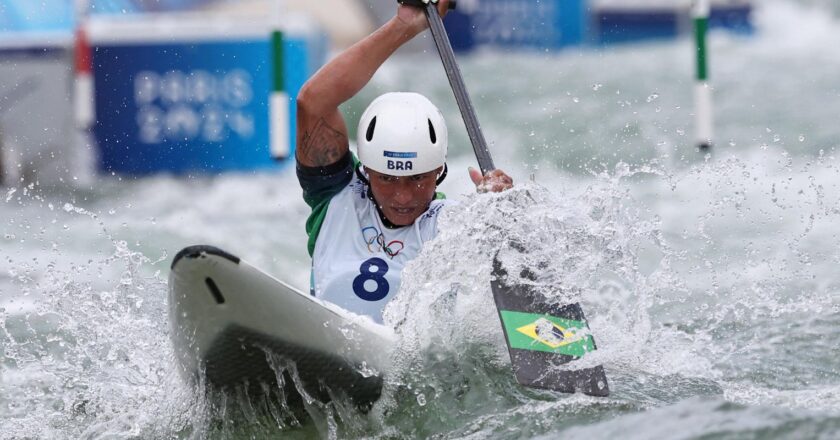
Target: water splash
{"type": "Point", "coordinates": [91, 362]}
{"type": "Point", "coordinates": [586, 248]}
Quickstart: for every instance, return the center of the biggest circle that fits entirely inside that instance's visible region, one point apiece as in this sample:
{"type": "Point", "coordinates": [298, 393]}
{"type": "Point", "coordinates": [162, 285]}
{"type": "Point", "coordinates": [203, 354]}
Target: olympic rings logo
{"type": "Point", "coordinates": [375, 241]}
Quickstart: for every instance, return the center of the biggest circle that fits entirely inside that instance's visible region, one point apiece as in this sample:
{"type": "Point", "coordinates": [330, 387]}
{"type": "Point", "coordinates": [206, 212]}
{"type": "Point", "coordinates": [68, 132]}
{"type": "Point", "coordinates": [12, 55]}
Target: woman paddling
{"type": "Point", "coordinates": [371, 214]}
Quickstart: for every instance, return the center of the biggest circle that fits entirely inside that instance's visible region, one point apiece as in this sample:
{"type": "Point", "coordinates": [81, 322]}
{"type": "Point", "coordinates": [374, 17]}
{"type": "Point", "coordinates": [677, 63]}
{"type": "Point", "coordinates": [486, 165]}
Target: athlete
{"type": "Point", "coordinates": [371, 214]}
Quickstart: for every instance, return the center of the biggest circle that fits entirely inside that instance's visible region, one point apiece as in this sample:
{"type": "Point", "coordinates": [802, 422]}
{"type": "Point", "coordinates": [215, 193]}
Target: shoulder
{"type": "Point", "coordinates": [428, 221]}
{"type": "Point", "coordinates": [435, 209]}
{"type": "Point", "coordinates": [320, 184]}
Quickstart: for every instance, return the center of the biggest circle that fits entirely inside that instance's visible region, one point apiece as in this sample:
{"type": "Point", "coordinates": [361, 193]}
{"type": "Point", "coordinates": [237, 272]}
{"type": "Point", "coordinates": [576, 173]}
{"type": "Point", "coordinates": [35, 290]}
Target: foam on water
{"type": "Point", "coordinates": [680, 305]}
{"type": "Point", "coordinates": [83, 312]}
{"type": "Point", "coordinates": [706, 418]}
{"type": "Point", "coordinates": [710, 283]}
{"type": "Point", "coordinates": [92, 361]}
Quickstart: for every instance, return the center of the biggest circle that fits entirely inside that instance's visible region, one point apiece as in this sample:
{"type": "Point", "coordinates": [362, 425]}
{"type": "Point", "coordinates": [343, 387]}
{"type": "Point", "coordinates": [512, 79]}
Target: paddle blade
{"type": "Point", "coordinates": [541, 336]}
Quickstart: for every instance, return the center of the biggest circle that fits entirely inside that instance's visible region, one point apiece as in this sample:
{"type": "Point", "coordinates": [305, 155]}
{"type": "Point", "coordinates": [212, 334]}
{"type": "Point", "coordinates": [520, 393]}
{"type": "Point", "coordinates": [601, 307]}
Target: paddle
{"type": "Point", "coordinates": [540, 334]}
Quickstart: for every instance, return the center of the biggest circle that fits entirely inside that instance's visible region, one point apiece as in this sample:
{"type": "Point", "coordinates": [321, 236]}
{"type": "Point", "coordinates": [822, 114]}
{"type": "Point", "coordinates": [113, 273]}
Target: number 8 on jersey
{"type": "Point", "coordinates": [372, 272]}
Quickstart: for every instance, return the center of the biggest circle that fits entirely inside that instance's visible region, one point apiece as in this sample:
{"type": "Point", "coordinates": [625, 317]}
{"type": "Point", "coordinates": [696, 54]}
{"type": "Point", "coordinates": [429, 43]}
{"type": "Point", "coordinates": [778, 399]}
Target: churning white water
{"type": "Point", "coordinates": [709, 281]}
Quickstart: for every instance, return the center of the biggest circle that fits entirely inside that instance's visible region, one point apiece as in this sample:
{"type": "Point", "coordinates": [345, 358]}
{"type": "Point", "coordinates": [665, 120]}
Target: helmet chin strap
{"type": "Point", "coordinates": [442, 176]}
{"type": "Point", "coordinates": [387, 223]}
{"type": "Point", "coordinates": [361, 175]}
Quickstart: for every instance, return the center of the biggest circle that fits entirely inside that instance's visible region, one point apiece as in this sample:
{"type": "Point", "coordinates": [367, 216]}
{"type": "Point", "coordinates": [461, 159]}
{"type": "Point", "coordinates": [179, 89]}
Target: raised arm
{"type": "Point", "coordinates": [321, 130]}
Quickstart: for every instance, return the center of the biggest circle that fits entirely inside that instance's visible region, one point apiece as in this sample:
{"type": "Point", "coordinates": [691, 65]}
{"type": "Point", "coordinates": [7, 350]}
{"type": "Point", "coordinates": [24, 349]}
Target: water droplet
{"type": "Point", "coordinates": [126, 279]}
{"type": "Point", "coordinates": [597, 86]}
{"type": "Point", "coordinates": [421, 399]}
{"type": "Point", "coordinates": [68, 207]}
{"type": "Point", "coordinates": [653, 97]}
{"type": "Point", "coordinates": [10, 193]}
{"type": "Point", "coordinates": [801, 138]}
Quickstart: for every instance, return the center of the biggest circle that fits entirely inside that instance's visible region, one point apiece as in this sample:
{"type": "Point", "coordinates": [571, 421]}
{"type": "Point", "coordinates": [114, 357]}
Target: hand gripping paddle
{"type": "Point", "coordinates": [540, 334]}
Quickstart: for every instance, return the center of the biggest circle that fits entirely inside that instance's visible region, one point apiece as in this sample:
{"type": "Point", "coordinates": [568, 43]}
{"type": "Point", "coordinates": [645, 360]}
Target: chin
{"type": "Point", "coordinates": [402, 220]}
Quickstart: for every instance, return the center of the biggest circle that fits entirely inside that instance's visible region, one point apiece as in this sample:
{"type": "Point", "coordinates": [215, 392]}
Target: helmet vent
{"type": "Point", "coordinates": [370, 129]}
{"type": "Point", "coordinates": [432, 134]}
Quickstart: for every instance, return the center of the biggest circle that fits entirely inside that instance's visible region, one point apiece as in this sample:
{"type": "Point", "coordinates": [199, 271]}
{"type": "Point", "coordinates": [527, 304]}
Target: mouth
{"type": "Point", "coordinates": [403, 211]}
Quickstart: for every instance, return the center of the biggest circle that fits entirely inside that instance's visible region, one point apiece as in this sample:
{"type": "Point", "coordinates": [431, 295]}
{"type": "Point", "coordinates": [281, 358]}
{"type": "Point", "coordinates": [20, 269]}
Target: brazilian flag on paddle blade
{"type": "Point", "coordinates": [542, 336]}
{"type": "Point", "coordinates": [530, 331]}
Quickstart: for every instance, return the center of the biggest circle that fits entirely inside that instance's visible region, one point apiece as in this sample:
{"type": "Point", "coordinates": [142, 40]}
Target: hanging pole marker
{"type": "Point", "coordinates": [84, 101]}
{"type": "Point", "coordinates": [83, 98]}
{"type": "Point", "coordinates": [702, 89]}
{"type": "Point", "coordinates": [278, 102]}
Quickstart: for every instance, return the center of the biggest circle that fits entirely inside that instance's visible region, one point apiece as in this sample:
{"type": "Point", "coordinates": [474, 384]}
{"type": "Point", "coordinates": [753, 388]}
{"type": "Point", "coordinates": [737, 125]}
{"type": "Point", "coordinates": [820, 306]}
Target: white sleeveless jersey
{"type": "Point", "coordinates": [357, 262]}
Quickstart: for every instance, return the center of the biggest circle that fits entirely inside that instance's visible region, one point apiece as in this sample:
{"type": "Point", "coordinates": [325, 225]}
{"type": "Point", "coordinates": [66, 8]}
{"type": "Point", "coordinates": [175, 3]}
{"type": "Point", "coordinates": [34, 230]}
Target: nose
{"type": "Point", "coordinates": [403, 193]}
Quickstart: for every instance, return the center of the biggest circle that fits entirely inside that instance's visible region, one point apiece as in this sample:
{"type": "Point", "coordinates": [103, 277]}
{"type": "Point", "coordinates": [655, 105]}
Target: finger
{"type": "Point", "coordinates": [500, 176]}
{"type": "Point", "coordinates": [497, 184]}
{"type": "Point", "coordinates": [497, 187]}
{"type": "Point", "coordinates": [443, 7]}
{"type": "Point", "coordinates": [498, 173]}
{"type": "Point", "coordinates": [503, 179]}
{"type": "Point", "coordinates": [475, 176]}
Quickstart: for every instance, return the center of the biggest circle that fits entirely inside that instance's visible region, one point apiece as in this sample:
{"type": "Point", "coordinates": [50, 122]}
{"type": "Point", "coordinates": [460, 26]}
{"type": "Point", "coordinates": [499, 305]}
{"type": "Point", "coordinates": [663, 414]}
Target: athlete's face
{"type": "Point", "coordinates": [403, 199]}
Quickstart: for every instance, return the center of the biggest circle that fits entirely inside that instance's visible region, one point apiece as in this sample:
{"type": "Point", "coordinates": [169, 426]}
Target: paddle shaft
{"type": "Point", "coordinates": [456, 80]}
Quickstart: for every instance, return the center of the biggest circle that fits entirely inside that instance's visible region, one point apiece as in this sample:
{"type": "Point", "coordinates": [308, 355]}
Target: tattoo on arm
{"type": "Point", "coordinates": [322, 145]}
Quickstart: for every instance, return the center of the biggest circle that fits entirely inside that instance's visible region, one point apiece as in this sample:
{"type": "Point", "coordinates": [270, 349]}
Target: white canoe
{"type": "Point", "coordinates": [229, 318]}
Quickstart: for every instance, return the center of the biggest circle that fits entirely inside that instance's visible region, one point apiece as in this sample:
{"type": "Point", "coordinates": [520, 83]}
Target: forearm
{"type": "Point", "coordinates": [348, 73]}
{"type": "Point", "coordinates": [321, 130]}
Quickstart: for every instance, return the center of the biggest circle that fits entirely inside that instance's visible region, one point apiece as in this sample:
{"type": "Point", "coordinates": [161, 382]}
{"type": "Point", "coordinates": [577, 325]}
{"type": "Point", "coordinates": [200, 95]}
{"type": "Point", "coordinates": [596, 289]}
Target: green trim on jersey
{"type": "Point", "coordinates": [320, 204]}
{"type": "Point", "coordinates": [313, 224]}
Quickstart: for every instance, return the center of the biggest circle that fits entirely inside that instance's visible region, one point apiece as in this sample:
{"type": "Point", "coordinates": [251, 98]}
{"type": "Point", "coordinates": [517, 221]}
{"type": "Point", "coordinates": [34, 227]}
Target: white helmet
{"type": "Point", "coordinates": [402, 134]}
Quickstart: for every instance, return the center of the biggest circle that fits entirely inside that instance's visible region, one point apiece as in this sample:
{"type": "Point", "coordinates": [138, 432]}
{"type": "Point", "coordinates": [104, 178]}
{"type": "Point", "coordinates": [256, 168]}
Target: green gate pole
{"type": "Point", "coordinates": [278, 102]}
{"type": "Point", "coordinates": [702, 90]}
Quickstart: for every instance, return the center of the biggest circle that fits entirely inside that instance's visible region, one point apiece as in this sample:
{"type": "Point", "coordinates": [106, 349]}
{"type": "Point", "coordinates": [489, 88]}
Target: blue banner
{"type": "Point", "coordinates": [183, 107]}
{"type": "Point", "coordinates": [41, 15]}
{"type": "Point", "coordinates": [60, 15]}
{"type": "Point", "coordinates": [518, 23]}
